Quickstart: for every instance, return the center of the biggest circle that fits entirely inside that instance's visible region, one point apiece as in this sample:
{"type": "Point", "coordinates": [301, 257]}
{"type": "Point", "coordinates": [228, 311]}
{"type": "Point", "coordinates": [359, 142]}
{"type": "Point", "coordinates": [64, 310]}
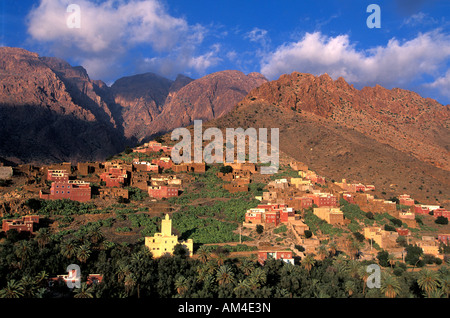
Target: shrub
{"type": "Point", "coordinates": [441, 220]}
{"type": "Point", "coordinates": [259, 229]}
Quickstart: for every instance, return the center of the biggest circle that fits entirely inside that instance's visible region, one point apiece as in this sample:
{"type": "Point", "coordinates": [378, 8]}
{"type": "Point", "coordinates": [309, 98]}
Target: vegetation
{"type": "Point", "coordinates": [130, 271]}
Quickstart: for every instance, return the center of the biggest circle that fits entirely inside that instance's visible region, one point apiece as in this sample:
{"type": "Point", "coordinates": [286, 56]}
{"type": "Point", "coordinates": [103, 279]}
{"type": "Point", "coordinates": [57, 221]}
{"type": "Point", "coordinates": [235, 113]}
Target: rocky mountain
{"type": "Point", "coordinates": [211, 96]}
{"type": "Point", "coordinates": [52, 111]}
{"type": "Point", "coordinates": [394, 139]}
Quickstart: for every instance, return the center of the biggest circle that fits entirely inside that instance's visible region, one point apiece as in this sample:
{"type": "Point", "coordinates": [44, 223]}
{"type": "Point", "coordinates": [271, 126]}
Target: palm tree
{"type": "Point", "coordinates": [333, 248]}
{"type": "Point", "coordinates": [41, 277]}
{"type": "Point", "coordinates": [203, 255]}
{"type": "Point", "coordinates": [95, 234]}
{"type": "Point", "coordinates": [353, 268]}
{"type": "Point", "coordinates": [84, 291]}
{"type": "Point", "coordinates": [13, 289]}
{"type": "Point", "coordinates": [68, 249]}
{"type": "Point", "coordinates": [22, 250]}
{"type": "Point", "coordinates": [43, 237]}
{"type": "Point", "coordinates": [129, 282]}
{"type": "Point", "coordinates": [445, 284]}
{"type": "Point", "coordinates": [247, 266]}
{"type": "Point", "coordinates": [122, 271]}
{"type": "Point", "coordinates": [308, 262]}
{"type": "Point", "coordinates": [29, 285]}
{"type": "Point", "coordinates": [322, 250]}
{"type": "Point", "coordinates": [354, 246]}
{"type": "Point", "coordinates": [258, 277]}
{"type": "Point", "coordinates": [83, 253]}
{"type": "Point", "coordinates": [391, 259]}
{"type": "Point", "coordinates": [221, 259]}
{"type": "Point", "coordinates": [181, 285]}
{"type": "Point", "coordinates": [242, 287]}
{"type": "Point", "coordinates": [224, 275]}
{"type": "Point", "coordinates": [350, 287]}
{"type": "Point", "coordinates": [390, 286]}
{"type": "Point", "coordinates": [428, 281]}
{"type": "Point", "coordinates": [364, 275]}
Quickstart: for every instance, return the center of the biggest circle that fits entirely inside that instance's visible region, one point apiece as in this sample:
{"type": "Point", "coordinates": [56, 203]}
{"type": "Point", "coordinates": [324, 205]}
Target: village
{"type": "Point", "coordinates": [295, 215]}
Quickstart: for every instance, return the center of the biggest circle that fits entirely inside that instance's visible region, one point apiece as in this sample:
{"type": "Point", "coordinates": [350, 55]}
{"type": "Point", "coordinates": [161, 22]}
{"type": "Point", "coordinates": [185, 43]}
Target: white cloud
{"type": "Point", "coordinates": [183, 60]}
{"type": "Point", "coordinates": [111, 28]}
{"type": "Point", "coordinates": [419, 19]}
{"type": "Point", "coordinates": [256, 35]}
{"type": "Point", "coordinates": [442, 84]}
{"type": "Point", "coordinates": [396, 63]}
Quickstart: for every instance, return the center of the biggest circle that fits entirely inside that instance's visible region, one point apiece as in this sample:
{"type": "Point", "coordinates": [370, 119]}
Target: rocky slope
{"type": "Point", "coordinates": [52, 111]}
{"type": "Point", "coordinates": [211, 96]}
{"type": "Point", "coordinates": [393, 139]}
{"type": "Point", "coordinates": [49, 111]}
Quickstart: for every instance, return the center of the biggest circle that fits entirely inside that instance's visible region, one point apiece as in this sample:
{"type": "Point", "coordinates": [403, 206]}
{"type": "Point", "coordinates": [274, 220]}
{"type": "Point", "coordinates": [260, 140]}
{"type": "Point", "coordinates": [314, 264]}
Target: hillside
{"type": "Point", "coordinates": [50, 111]}
{"type": "Point", "coordinates": [393, 139]}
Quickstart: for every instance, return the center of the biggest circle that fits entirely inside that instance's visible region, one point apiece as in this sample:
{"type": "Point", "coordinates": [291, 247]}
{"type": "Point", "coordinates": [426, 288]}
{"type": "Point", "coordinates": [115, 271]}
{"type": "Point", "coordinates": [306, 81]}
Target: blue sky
{"type": "Point", "coordinates": [116, 38]}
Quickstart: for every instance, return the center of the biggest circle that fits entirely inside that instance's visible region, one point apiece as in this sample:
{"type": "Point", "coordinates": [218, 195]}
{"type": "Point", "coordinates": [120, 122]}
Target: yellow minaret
{"type": "Point", "coordinates": [166, 226]}
{"type": "Point", "coordinates": [164, 242]}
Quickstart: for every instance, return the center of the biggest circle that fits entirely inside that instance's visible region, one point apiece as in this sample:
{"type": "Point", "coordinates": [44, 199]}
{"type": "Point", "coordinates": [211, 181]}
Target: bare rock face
{"type": "Point", "coordinates": [50, 112]}
{"type": "Point", "coordinates": [397, 117]}
{"type": "Point", "coordinates": [140, 99]}
{"type": "Point", "coordinates": [209, 97]}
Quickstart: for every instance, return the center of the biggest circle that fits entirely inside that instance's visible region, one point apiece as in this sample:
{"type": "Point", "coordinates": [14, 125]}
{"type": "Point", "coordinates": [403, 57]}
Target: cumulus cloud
{"type": "Point", "coordinates": [110, 28]}
{"type": "Point", "coordinates": [183, 60]}
{"type": "Point", "coordinates": [442, 84]}
{"type": "Point", "coordinates": [396, 63]}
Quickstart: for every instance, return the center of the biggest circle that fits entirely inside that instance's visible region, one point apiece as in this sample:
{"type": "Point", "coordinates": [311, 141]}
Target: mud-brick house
{"type": "Point", "coordinates": [115, 177]}
{"type": "Point", "coordinates": [25, 224]}
{"type": "Point", "coordinates": [140, 179]}
{"type": "Point", "coordinates": [330, 215]}
{"type": "Point", "coordinates": [190, 167]}
{"type": "Point", "coordinates": [285, 256]}
{"type": "Point", "coordinates": [405, 199]}
{"type": "Point", "coordinates": [323, 199]}
{"type": "Point", "coordinates": [298, 166]}
{"type": "Point", "coordinates": [441, 212]}
{"type": "Point", "coordinates": [76, 190]}
{"type": "Point", "coordinates": [159, 192]}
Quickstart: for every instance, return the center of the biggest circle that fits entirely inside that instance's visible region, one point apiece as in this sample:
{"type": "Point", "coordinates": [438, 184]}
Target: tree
{"type": "Point", "coordinates": [181, 285]}
{"type": "Point", "coordinates": [308, 262]}
{"type": "Point", "coordinates": [68, 249]}
{"type": "Point", "coordinates": [441, 220]}
{"type": "Point", "coordinates": [13, 289]}
{"type": "Point", "coordinates": [22, 250]}
{"type": "Point", "coordinates": [95, 234]}
{"type": "Point", "coordinates": [428, 281]}
{"type": "Point", "coordinates": [390, 285]}
{"type": "Point", "coordinates": [83, 253]}
{"type": "Point", "coordinates": [383, 258]}
{"type": "Point", "coordinates": [84, 291]}
{"type": "Point", "coordinates": [413, 254]}
{"type": "Point", "coordinates": [203, 254]}
{"type": "Point", "coordinates": [259, 229]}
{"type": "Point", "coordinates": [224, 275]}
{"type": "Point", "coordinates": [350, 287]}
{"type": "Point", "coordinates": [322, 250]}
{"type": "Point", "coordinates": [43, 237]}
